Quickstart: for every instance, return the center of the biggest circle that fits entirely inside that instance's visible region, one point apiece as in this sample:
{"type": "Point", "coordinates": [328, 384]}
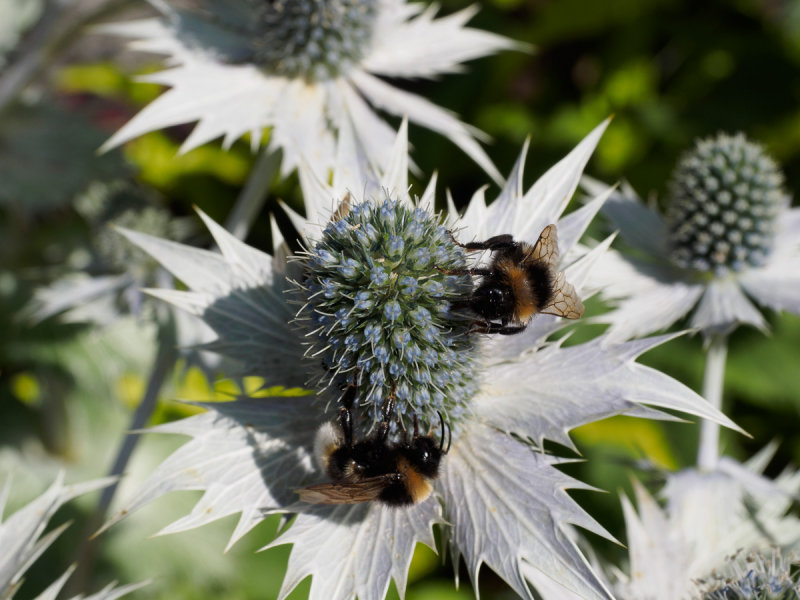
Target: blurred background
{"type": "Point", "coordinates": [668, 70]}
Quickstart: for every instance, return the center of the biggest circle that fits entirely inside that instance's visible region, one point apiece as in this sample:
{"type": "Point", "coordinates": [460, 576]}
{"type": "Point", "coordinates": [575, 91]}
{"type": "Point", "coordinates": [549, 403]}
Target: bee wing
{"type": "Point", "coordinates": [546, 247]}
{"type": "Point", "coordinates": [565, 302]}
{"type": "Point", "coordinates": [345, 493]}
{"type": "Point", "coordinates": [343, 209]}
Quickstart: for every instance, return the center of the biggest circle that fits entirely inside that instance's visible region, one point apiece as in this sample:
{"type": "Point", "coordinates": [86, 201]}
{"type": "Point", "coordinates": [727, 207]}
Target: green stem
{"type": "Point", "coordinates": [254, 193]}
{"type": "Point", "coordinates": [713, 379]}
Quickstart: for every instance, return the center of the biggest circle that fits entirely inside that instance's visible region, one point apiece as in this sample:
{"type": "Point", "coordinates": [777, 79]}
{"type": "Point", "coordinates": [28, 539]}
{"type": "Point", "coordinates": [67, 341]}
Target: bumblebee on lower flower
{"type": "Point", "coordinates": [374, 468]}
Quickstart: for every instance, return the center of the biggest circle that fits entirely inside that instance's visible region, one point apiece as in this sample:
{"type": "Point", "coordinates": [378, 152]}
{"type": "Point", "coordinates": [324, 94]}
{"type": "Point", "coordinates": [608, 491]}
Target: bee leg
{"type": "Point", "coordinates": [346, 423]}
{"type": "Point", "coordinates": [345, 412]}
{"type": "Point", "coordinates": [348, 396]}
{"type": "Point", "coordinates": [478, 271]}
{"type": "Point", "coordinates": [498, 328]}
{"type": "Point", "coordinates": [496, 242]}
{"type": "Point", "coordinates": [388, 411]}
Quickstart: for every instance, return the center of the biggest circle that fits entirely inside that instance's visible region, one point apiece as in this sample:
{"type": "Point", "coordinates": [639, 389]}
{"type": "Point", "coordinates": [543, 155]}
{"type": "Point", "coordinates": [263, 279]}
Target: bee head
{"type": "Point", "coordinates": [492, 301]}
{"type": "Point", "coordinates": [425, 452]}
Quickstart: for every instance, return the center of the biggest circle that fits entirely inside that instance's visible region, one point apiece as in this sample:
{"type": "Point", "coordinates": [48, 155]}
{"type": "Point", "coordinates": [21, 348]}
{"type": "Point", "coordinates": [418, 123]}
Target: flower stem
{"type": "Point", "coordinates": [713, 378]}
{"type": "Point", "coordinates": [254, 193]}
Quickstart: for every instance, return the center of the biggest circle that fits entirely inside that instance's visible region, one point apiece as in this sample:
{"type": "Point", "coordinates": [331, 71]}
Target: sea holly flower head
{"type": "Point", "coordinates": [104, 279]}
{"type": "Point", "coordinates": [499, 499]}
{"type": "Point", "coordinates": [728, 233]}
{"type": "Point", "coordinates": [303, 68]}
{"type": "Point", "coordinates": [314, 39]}
{"type": "Point", "coordinates": [378, 303]}
{"type": "Point", "coordinates": [767, 576]}
{"type": "Point", "coordinates": [725, 195]}
{"type": "Point", "coordinates": [721, 534]}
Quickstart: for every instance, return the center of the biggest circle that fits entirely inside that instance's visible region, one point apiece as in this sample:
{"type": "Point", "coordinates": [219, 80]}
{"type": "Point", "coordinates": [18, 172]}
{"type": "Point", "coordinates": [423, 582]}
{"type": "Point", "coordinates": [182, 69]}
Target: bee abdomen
{"type": "Point", "coordinates": [540, 281]}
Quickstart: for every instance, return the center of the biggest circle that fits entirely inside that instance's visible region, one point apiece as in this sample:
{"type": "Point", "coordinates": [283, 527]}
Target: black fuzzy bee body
{"type": "Point", "coordinates": [519, 282]}
{"type": "Point", "coordinates": [395, 473]}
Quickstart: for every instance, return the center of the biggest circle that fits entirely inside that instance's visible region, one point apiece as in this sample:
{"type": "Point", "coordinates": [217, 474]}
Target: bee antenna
{"type": "Point", "coordinates": [441, 443]}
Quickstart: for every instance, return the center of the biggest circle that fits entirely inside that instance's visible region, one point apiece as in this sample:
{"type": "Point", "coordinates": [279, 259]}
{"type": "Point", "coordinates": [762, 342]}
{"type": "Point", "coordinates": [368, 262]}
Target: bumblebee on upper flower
{"type": "Point", "coordinates": [441, 425]}
{"type": "Point", "coordinates": [301, 68]}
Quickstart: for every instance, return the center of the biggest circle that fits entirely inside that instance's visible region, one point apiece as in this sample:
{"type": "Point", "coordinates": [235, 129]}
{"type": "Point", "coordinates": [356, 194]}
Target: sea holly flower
{"type": "Point", "coordinates": [722, 534]}
{"type": "Point", "coordinates": [303, 69]}
{"type": "Point", "coordinates": [104, 278]}
{"type": "Point", "coordinates": [22, 541]}
{"type": "Point", "coordinates": [729, 233]}
{"type": "Point", "coordinates": [499, 498]}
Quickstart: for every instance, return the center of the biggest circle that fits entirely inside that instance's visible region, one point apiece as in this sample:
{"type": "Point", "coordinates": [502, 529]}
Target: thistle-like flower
{"type": "Point", "coordinates": [375, 298]}
{"type": "Point", "coordinates": [106, 277]}
{"type": "Point", "coordinates": [303, 69]}
{"type": "Point", "coordinates": [757, 576]}
{"type": "Point", "coordinates": [22, 541]}
{"type": "Point", "coordinates": [729, 233]}
{"type": "Point", "coordinates": [723, 534]}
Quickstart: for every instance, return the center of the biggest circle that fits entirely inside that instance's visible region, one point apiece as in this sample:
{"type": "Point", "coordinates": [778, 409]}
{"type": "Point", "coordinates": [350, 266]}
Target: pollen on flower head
{"type": "Point", "coordinates": [754, 576]}
{"type": "Point", "coordinates": [377, 308]}
{"type": "Point", "coordinates": [724, 197]}
{"type": "Point", "coordinates": [314, 39]}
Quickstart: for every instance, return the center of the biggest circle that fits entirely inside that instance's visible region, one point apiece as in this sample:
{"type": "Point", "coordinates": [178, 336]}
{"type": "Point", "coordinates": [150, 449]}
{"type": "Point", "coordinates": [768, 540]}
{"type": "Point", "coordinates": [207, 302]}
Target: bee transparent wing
{"type": "Point", "coordinates": [546, 247]}
{"type": "Point", "coordinates": [565, 302]}
{"type": "Point", "coordinates": [345, 493]}
{"type": "Point", "coordinates": [343, 209]}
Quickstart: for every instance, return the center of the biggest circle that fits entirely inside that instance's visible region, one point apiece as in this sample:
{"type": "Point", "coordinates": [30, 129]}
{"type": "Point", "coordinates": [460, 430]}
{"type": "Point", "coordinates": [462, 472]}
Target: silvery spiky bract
{"type": "Point", "coordinates": [303, 69]}
{"type": "Point", "coordinates": [729, 236]}
{"type": "Point", "coordinates": [500, 499]}
{"type": "Point", "coordinates": [716, 537]}
{"type": "Point", "coordinates": [22, 541]}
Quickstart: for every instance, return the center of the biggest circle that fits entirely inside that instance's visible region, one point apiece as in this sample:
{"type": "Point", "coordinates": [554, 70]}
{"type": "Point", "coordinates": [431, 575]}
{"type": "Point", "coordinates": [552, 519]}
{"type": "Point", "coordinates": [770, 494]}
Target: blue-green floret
{"type": "Point", "coordinates": [378, 305]}
{"type": "Point", "coordinates": [724, 197]}
{"type": "Point", "coordinates": [312, 39]}
{"type": "Point", "coordinates": [755, 577]}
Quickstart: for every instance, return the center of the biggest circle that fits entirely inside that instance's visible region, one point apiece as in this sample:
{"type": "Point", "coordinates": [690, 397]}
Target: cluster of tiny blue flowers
{"type": "Point", "coordinates": [314, 39]}
{"type": "Point", "coordinates": [379, 309]}
{"type": "Point", "coordinates": [756, 577]}
{"type": "Point", "coordinates": [725, 195]}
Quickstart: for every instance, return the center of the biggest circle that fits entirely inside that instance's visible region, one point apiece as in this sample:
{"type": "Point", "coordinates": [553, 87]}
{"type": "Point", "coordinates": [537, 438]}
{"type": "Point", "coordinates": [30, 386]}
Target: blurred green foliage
{"type": "Point", "coordinates": [668, 70]}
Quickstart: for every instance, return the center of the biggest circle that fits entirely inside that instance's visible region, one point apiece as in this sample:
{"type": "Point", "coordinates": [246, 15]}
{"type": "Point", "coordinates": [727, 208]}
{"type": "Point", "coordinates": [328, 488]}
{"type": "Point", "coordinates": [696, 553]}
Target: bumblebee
{"type": "Point", "coordinates": [521, 281]}
{"type": "Point", "coordinates": [374, 468]}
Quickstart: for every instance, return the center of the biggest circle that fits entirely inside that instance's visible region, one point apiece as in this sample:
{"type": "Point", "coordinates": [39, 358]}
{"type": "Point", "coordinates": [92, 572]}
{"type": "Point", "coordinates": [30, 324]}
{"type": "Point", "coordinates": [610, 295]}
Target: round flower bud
{"type": "Point", "coordinates": [724, 197]}
{"type": "Point", "coordinates": [314, 39]}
